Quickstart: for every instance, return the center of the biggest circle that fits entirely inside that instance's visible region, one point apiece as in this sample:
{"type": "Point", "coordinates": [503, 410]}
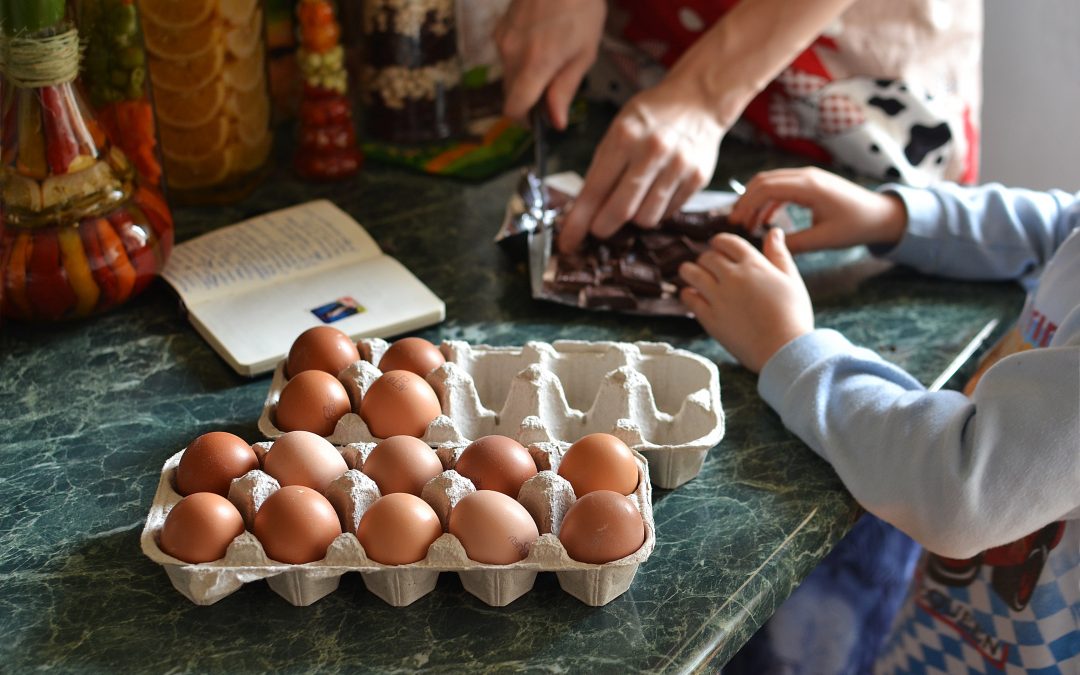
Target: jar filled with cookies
{"type": "Point", "coordinates": [206, 62]}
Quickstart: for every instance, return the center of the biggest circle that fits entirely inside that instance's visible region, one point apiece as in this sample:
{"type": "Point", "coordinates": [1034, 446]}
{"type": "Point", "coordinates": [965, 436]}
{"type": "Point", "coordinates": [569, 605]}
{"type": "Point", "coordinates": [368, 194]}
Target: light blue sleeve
{"type": "Point", "coordinates": [958, 475]}
{"type": "Point", "coordinates": [988, 232]}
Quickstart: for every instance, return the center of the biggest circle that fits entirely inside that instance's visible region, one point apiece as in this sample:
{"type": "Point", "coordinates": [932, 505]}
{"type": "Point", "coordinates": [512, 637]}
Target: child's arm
{"type": "Point", "coordinates": [959, 475]}
{"type": "Point", "coordinates": [957, 481]}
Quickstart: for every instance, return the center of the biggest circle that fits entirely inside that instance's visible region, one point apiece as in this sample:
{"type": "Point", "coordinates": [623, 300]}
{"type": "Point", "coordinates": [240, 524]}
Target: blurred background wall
{"type": "Point", "coordinates": [1031, 106]}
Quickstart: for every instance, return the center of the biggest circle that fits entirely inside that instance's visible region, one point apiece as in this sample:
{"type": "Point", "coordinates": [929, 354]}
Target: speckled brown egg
{"type": "Point", "coordinates": [399, 403]}
{"type": "Point", "coordinates": [200, 528]}
{"type": "Point", "coordinates": [212, 461]}
{"type": "Point", "coordinates": [402, 464]}
{"type": "Point", "coordinates": [312, 401]}
{"type": "Point", "coordinates": [493, 528]}
{"type": "Point", "coordinates": [496, 463]}
{"type": "Point", "coordinates": [398, 529]}
{"type": "Point", "coordinates": [296, 525]}
{"type": "Point", "coordinates": [322, 348]}
{"type": "Point", "coordinates": [303, 458]}
{"type": "Point", "coordinates": [599, 462]}
{"type": "Point", "coordinates": [413, 354]}
{"type": "Point", "coordinates": [601, 527]}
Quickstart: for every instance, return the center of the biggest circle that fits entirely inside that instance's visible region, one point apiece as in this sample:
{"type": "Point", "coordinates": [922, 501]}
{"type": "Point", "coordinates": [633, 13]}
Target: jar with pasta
{"type": "Point", "coordinates": [207, 67]}
{"type": "Point", "coordinates": [411, 80]}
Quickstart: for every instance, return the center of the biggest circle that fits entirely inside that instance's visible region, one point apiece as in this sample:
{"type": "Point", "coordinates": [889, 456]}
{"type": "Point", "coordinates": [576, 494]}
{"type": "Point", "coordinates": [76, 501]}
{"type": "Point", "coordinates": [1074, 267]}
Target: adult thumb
{"type": "Point", "coordinates": [776, 251]}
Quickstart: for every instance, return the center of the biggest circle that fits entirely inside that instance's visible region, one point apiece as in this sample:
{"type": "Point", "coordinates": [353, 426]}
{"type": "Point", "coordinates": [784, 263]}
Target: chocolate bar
{"type": "Point", "coordinates": [607, 297]}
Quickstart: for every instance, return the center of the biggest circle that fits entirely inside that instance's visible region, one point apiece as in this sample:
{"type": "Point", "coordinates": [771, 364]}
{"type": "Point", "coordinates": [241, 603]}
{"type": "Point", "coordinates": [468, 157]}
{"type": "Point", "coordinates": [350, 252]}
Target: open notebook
{"type": "Point", "coordinates": [252, 287]}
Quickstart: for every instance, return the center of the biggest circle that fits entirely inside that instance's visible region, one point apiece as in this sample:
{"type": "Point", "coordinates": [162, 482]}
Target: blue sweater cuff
{"type": "Point", "coordinates": [920, 245]}
{"type": "Point", "coordinates": [795, 358]}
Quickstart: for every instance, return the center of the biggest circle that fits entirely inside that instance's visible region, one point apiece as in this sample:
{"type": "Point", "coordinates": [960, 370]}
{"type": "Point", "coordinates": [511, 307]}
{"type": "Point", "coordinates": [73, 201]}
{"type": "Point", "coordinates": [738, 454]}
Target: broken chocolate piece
{"type": "Point", "coordinates": [608, 297]}
{"type": "Point", "coordinates": [572, 281]}
{"type": "Point", "coordinates": [642, 278]}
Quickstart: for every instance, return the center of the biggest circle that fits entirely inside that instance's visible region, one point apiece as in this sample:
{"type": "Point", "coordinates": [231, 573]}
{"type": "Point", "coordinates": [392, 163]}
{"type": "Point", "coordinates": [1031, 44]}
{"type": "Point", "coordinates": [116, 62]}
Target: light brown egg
{"type": "Point", "coordinates": [312, 401]}
{"type": "Point", "coordinates": [414, 354]}
{"type": "Point", "coordinates": [398, 529]}
{"type": "Point", "coordinates": [599, 462]}
{"type": "Point", "coordinates": [402, 464]}
{"type": "Point", "coordinates": [322, 348]}
{"type": "Point", "coordinates": [303, 458]}
{"type": "Point", "coordinates": [200, 528]}
{"type": "Point", "coordinates": [496, 463]}
{"type": "Point", "coordinates": [601, 527]}
{"type": "Point", "coordinates": [399, 403]}
{"type": "Point", "coordinates": [212, 461]}
{"type": "Point", "coordinates": [493, 528]}
{"type": "Point", "coordinates": [296, 525]}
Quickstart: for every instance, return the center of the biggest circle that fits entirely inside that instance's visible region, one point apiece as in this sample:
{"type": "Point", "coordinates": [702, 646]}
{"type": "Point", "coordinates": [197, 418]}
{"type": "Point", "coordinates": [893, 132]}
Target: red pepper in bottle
{"type": "Point", "coordinates": [47, 285]}
{"type": "Point", "coordinates": [31, 157]}
{"type": "Point", "coordinates": [139, 242]}
{"type": "Point", "coordinates": [15, 297]}
{"type": "Point", "coordinates": [116, 256]}
{"type": "Point", "coordinates": [104, 276]}
{"type": "Point", "coordinates": [61, 147]}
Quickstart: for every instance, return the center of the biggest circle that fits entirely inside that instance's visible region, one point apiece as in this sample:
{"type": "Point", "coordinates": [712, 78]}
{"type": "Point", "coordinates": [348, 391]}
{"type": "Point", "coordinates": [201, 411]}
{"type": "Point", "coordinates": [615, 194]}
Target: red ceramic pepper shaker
{"type": "Point", "coordinates": [327, 145]}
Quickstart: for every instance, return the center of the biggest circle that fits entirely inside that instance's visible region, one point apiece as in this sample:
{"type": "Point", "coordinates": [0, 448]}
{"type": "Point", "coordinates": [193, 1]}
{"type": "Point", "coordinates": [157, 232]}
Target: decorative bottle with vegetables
{"type": "Point", "coordinates": [82, 233]}
{"type": "Point", "coordinates": [327, 145]}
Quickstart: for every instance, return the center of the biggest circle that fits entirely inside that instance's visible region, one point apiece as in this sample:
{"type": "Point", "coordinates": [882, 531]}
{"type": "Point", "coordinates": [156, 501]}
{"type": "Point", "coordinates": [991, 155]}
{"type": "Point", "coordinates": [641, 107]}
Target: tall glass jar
{"type": "Point", "coordinates": [81, 234]}
{"type": "Point", "coordinates": [207, 65]}
{"type": "Point", "coordinates": [411, 81]}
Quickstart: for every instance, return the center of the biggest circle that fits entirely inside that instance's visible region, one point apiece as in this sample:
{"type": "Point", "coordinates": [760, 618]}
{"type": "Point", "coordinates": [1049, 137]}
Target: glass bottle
{"type": "Point", "coordinates": [207, 67]}
{"type": "Point", "coordinates": [81, 233]}
{"type": "Point", "coordinates": [412, 73]}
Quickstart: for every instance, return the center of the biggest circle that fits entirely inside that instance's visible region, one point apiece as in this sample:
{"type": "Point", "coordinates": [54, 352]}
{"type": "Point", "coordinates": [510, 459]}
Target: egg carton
{"type": "Point", "coordinates": [546, 496]}
{"type": "Point", "coordinates": [661, 401]}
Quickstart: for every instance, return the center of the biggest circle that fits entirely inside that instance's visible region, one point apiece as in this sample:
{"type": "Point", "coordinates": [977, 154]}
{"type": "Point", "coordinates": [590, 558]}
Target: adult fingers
{"type": "Point", "coordinates": [655, 204]}
{"type": "Point", "coordinates": [564, 85]}
{"type": "Point", "coordinates": [691, 183]}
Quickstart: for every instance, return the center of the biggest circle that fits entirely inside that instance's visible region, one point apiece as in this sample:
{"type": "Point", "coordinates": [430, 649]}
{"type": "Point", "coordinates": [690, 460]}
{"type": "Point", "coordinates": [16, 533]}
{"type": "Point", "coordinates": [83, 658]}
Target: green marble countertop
{"type": "Point", "coordinates": [92, 409]}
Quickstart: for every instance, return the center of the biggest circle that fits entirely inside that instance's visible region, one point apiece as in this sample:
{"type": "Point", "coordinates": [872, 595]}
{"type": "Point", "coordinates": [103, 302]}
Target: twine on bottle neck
{"type": "Point", "coordinates": [32, 62]}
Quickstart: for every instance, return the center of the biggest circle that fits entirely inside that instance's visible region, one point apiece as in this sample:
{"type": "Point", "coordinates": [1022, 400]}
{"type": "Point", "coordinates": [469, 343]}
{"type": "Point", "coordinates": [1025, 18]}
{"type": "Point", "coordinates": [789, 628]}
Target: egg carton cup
{"type": "Point", "coordinates": [547, 496]}
{"type": "Point", "coordinates": [661, 401]}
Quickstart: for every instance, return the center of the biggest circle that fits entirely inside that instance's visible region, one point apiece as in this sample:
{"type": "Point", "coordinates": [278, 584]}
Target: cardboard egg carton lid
{"type": "Point", "coordinates": [547, 497]}
{"type": "Point", "coordinates": [661, 401]}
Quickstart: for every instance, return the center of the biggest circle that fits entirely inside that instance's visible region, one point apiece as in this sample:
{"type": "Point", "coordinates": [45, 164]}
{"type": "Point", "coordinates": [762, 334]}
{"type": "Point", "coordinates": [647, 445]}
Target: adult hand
{"type": "Point", "coordinates": [844, 213]}
{"type": "Point", "coordinates": [751, 303]}
{"type": "Point", "coordinates": [660, 149]}
{"type": "Point", "coordinates": [547, 45]}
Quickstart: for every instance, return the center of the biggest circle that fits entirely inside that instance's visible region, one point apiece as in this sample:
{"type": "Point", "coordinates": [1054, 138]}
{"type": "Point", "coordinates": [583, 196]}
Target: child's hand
{"type": "Point", "coordinates": [753, 304]}
{"type": "Point", "coordinates": [845, 214]}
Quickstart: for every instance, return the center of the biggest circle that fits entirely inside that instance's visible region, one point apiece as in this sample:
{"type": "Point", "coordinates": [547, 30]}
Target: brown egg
{"type": "Point", "coordinates": [200, 528]}
{"type": "Point", "coordinates": [602, 526]}
{"type": "Point", "coordinates": [402, 464]}
{"type": "Point", "coordinates": [599, 462]}
{"type": "Point", "coordinates": [302, 458]}
{"type": "Point", "coordinates": [398, 529]}
{"type": "Point", "coordinates": [399, 403]}
{"type": "Point", "coordinates": [312, 401]}
{"type": "Point", "coordinates": [413, 354]}
{"type": "Point", "coordinates": [496, 463]}
{"type": "Point", "coordinates": [322, 348]}
{"type": "Point", "coordinates": [493, 528]}
{"type": "Point", "coordinates": [296, 525]}
{"type": "Point", "coordinates": [211, 461]}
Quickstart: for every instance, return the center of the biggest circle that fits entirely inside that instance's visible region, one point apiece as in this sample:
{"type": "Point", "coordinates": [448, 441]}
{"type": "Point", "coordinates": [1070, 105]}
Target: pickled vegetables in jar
{"type": "Point", "coordinates": [81, 232]}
